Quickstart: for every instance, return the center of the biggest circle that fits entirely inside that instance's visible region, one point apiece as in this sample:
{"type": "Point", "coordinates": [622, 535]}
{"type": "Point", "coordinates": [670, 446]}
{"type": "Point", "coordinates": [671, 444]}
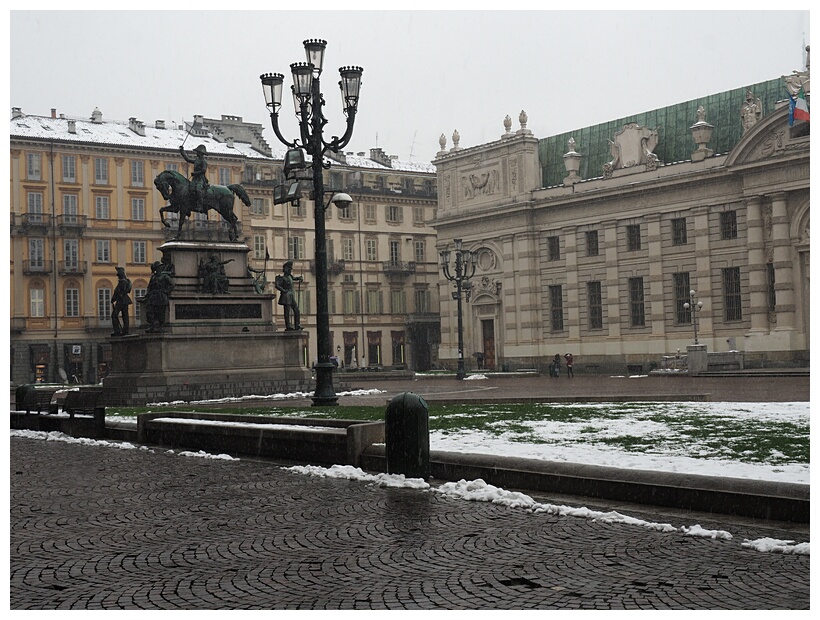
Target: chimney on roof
{"type": "Point", "coordinates": [53, 112]}
{"type": "Point", "coordinates": [96, 116]}
{"type": "Point", "coordinates": [72, 126]}
{"type": "Point", "coordinates": [378, 155]}
{"type": "Point", "coordinates": [229, 141]}
{"type": "Point", "coordinates": [160, 124]}
{"type": "Point", "coordinates": [16, 113]}
{"type": "Point", "coordinates": [138, 127]}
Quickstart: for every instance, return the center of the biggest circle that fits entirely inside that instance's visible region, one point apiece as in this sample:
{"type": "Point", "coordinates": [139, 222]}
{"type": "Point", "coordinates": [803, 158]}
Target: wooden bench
{"type": "Point", "coordinates": [85, 401]}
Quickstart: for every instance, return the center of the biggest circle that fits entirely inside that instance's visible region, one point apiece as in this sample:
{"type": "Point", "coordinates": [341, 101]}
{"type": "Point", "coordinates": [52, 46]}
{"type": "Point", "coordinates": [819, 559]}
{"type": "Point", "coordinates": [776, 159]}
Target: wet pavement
{"type": "Point", "coordinates": [96, 527]}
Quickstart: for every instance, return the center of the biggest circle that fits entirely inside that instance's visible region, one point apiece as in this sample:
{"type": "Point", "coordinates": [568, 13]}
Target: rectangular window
{"type": "Point", "coordinates": [302, 296]}
{"type": "Point", "coordinates": [37, 253]}
{"type": "Point", "coordinates": [347, 213]}
{"type": "Point", "coordinates": [37, 297]}
{"type": "Point", "coordinates": [258, 206]}
{"type": "Point", "coordinates": [370, 213]}
{"type": "Point", "coordinates": [101, 210]}
{"type": "Point", "coordinates": [224, 176]}
{"type": "Point", "coordinates": [633, 237]}
{"type": "Point", "coordinates": [139, 252]}
{"type": "Point", "coordinates": [297, 209]}
{"type": "Point", "coordinates": [395, 252]}
{"type": "Point", "coordinates": [347, 249]}
{"type": "Point", "coordinates": [104, 304]}
{"type": "Point", "coordinates": [69, 169]}
{"type": "Point", "coordinates": [393, 214]}
{"type": "Point", "coordinates": [72, 302]}
{"type": "Point", "coordinates": [679, 231]}
{"type": "Point", "coordinates": [419, 251]}
{"type": "Point", "coordinates": [71, 253]}
{"type": "Point", "coordinates": [296, 248]}
{"type": "Point", "coordinates": [35, 207]}
{"type": "Point", "coordinates": [556, 308]}
{"type": "Point", "coordinates": [100, 171]}
{"type": "Point", "coordinates": [33, 171]}
{"type": "Point", "coordinates": [350, 301]}
{"type": "Point", "coordinates": [595, 305]}
{"type": "Point", "coordinates": [422, 299]}
{"type": "Point", "coordinates": [138, 293]}
{"type": "Point", "coordinates": [173, 167]}
{"type": "Point", "coordinates": [103, 251]}
{"type": "Point", "coordinates": [680, 282]}
{"type": "Point", "coordinates": [418, 215]}
{"type": "Point", "coordinates": [137, 174]}
{"type": "Point", "coordinates": [637, 314]}
{"type": "Point", "coordinates": [553, 248]}
{"type": "Point", "coordinates": [397, 302]}
{"type": "Point", "coordinates": [70, 209]}
{"type": "Point", "coordinates": [373, 302]}
{"type": "Point", "coordinates": [371, 252]}
{"type": "Point", "coordinates": [259, 246]}
{"type": "Point", "coordinates": [138, 209]}
{"type": "Point", "coordinates": [771, 295]}
{"type": "Point", "coordinates": [728, 225]}
{"type": "Point", "coordinates": [731, 294]}
{"type": "Point", "coordinates": [592, 242]}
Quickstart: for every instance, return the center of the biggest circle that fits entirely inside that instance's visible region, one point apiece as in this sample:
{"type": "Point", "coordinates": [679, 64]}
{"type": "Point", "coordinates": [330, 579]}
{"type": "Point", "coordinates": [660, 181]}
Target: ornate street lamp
{"type": "Point", "coordinates": [695, 308]}
{"type": "Point", "coordinates": [308, 102]}
{"type": "Point", "coordinates": [465, 262]}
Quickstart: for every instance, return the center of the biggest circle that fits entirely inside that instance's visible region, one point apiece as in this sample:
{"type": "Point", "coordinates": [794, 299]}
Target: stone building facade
{"type": "Point", "coordinates": [601, 263]}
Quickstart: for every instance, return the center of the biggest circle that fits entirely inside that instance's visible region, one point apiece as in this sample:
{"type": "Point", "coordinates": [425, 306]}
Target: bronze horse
{"type": "Point", "coordinates": [177, 190]}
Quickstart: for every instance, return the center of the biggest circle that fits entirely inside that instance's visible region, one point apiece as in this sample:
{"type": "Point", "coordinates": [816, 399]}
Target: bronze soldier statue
{"type": "Point", "coordinates": [287, 299]}
{"type": "Point", "coordinates": [199, 182]}
{"type": "Point", "coordinates": [157, 297]}
{"type": "Point", "coordinates": [120, 301]}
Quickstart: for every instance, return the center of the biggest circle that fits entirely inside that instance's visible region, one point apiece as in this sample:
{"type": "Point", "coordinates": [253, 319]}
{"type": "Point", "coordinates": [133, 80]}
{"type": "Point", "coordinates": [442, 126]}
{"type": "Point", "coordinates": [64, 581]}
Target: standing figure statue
{"type": "Point", "coordinates": [157, 297]}
{"type": "Point", "coordinates": [212, 277]}
{"type": "Point", "coordinates": [199, 181]}
{"type": "Point", "coordinates": [120, 301]}
{"type": "Point", "coordinates": [287, 299]}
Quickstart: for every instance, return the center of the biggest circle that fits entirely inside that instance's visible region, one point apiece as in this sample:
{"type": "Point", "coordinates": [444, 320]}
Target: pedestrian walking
{"type": "Point", "coordinates": [568, 357]}
{"type": "Point", "coordinates": [556, 365]}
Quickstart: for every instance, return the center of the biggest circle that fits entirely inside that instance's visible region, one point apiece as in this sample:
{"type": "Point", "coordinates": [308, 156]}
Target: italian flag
{"type": "Point", "coordinates": [798, 108]}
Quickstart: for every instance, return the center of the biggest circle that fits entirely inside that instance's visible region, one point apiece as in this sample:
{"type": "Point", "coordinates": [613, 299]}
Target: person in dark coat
{"type": "Point", "coordinates": [568, 357]}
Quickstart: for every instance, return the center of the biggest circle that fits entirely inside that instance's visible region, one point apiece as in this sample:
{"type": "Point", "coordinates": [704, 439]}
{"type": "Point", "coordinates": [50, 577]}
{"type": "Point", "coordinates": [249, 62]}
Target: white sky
{"type": "Point", "coordinates": [426, 72]}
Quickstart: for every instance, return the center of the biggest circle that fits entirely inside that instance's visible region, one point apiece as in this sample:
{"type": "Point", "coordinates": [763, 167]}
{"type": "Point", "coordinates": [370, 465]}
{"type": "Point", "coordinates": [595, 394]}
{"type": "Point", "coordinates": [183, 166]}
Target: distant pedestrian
{"type": "Point", "coordinates": [556, 365]}
{"type": "Point", "coordinates": [568, 357]}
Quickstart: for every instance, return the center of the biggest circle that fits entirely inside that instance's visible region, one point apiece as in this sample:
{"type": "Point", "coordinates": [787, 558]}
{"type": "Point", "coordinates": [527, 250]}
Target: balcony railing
{"type": "Point", "coordinates": [399, 268]}
{"type": "Point", "coordinates": [68, 267]}
{"type": "Point", "coordinates": [35, 221]}
{"type": "Point", "coordinates": [34, 267]}
{"type": "Point", "coordinates": [334, 267]}
{"type": "Point", "coordinates": [71, 224]}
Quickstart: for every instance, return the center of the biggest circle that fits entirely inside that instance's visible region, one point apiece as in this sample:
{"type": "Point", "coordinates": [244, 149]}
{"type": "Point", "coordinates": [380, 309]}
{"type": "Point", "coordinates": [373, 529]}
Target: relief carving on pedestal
{"type": "Point", "coordinates": [480, 183]}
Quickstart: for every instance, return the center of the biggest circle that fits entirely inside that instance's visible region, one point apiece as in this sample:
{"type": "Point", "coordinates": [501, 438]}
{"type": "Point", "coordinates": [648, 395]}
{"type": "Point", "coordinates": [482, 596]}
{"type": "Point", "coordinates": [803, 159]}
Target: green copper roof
{"type": "Point", "coordinates": [673, 122]}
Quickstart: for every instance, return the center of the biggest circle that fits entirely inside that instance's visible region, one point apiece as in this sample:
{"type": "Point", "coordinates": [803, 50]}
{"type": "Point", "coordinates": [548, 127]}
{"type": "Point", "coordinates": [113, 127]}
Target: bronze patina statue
{"type": "Point", "coordinates": [197, 195]}
{"type": "Point", "coordinates": [212, 278]}
{"type": "Point", "coordinates": [120, 301]}
{"type": "Point", "coordinates": [287, 299]}
{"type": "Point", "coordinates": [157, 297]}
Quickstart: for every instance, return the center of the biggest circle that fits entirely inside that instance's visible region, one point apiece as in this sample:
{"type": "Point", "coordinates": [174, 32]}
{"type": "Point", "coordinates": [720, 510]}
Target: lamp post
{"type": "Point", "coordinates": [464, 262]}
{"type": "Point", "coordinates": [695, 308]}
{"type": "Point", "coordinates": [308, 102]}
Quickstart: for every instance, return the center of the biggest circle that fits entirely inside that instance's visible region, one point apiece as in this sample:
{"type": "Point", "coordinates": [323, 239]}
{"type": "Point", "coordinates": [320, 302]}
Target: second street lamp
{"type": "Point", "coordinates": [309, 101]}
{"type": "Point", "coordinates": [465, 262]}
{"type": "Point", "coordinates": [694, 308]}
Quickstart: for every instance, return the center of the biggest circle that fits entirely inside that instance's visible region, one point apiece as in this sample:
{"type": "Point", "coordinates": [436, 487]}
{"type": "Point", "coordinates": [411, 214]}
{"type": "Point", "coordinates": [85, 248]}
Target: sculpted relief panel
{"type": "Point", "coordinates": [478, 183]}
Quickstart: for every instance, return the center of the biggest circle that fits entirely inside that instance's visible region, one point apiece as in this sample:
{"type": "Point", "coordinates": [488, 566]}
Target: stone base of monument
{"type": "Point", "coordinates": [213, 344]}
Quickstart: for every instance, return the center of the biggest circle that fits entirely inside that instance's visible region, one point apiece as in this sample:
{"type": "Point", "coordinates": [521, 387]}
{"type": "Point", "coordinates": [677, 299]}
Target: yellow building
{"type": "Point", "coordinates": [83, 203]}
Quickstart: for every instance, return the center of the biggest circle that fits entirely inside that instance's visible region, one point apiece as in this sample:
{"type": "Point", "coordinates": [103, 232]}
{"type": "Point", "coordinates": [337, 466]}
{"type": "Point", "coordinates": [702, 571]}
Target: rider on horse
{"type": "Point", "coordinates": [199, 181]}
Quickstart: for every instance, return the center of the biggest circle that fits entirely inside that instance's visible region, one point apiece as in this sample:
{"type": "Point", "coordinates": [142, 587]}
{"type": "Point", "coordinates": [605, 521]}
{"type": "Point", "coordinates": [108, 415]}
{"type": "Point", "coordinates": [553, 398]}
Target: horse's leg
{"type": "Point", "coordinates": [179, 228]}
{"type": "Point", "coordinates": [162, 212]}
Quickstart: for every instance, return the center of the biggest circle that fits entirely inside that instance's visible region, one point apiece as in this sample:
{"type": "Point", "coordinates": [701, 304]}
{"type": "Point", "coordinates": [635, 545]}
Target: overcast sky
{"type": "Point", "coordinates": [426, 72]}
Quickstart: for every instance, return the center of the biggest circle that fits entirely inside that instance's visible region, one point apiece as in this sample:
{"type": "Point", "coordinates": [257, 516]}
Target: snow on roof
{"type": "Point", "coordinates": [119, 133]}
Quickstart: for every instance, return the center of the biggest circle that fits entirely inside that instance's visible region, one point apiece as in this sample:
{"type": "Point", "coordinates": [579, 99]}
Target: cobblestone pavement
{"type": "Point", "coordinates": [95, 527]}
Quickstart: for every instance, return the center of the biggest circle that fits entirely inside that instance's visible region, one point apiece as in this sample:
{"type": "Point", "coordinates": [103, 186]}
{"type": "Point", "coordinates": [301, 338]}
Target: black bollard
{"type": "Point", "coordinates": [407, 436]}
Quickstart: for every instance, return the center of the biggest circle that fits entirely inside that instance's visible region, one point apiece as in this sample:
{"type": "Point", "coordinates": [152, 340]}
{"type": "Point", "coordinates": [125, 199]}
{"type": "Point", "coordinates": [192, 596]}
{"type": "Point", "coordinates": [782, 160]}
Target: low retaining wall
{"type": "Point", "coordinates": [759, 499]}
{"type": "Point", "coordinates": [297, 439]}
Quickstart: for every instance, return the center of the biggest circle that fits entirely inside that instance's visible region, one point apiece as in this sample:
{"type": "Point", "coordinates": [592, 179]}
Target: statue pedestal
{"type": "Point", "coordinates": [213, 345]}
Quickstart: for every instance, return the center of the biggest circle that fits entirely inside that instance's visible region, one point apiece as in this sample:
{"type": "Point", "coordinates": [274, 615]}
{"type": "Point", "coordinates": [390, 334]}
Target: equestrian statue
{"type": "Point", "coordinates": [197, 195]}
